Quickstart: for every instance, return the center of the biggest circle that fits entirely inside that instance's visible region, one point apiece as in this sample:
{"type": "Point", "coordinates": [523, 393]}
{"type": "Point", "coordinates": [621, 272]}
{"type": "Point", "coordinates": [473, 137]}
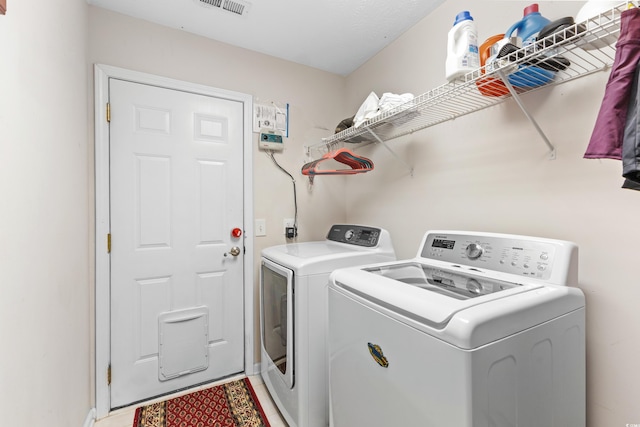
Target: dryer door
{"type": "Point", "coordinates": [276, 320]}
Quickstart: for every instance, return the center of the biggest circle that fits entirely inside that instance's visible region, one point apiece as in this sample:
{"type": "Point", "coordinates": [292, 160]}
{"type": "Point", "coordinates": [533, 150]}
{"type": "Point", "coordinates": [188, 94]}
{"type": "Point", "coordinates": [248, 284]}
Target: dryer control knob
{"type": "Point", "coordinates": [349, 234]}
{"type": "Point", "coordinates": [474, 251]}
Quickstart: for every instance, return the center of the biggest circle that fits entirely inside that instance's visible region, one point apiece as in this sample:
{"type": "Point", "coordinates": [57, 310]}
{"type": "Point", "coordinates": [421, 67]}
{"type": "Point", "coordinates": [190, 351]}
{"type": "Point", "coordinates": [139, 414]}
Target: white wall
{"type": "Point", "coordinates": [44, 215]}
{"type": "Point", "coordinates": [487, 171]}
{"type": "Point", "coordinates": [490, 171]}
{"type": "Point", "coordinates": [314, 97]}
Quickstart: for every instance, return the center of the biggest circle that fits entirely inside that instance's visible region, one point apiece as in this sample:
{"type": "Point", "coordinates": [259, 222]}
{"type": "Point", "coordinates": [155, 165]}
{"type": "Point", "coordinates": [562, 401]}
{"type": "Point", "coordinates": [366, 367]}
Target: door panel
{"type": "Point", "coordinates": [176, 182]}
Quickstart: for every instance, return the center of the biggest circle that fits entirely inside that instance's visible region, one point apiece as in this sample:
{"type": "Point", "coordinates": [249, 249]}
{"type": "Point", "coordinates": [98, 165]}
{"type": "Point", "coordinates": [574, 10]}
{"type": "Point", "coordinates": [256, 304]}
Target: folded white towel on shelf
{"type": "Point", "coordinates": [389, 101]}
{"type": "Point", "coordinates": [367, 110]}
{"type": "Point", "coordinates": [373, 106]}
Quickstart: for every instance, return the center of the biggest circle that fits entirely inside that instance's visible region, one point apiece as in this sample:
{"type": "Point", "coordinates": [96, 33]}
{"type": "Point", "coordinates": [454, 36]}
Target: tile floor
{"type": "Point", "coordinates": [124, 417]}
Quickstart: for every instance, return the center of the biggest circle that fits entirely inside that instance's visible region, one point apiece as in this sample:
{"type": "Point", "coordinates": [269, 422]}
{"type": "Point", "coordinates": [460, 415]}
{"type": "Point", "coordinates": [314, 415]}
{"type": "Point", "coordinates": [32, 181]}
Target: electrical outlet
{"type": "Point", "coordinates": [261, 227]}
{"type": "Point", "coordinates": [290, 230]}
{"type": "Point", "coordinates": [288, 222]}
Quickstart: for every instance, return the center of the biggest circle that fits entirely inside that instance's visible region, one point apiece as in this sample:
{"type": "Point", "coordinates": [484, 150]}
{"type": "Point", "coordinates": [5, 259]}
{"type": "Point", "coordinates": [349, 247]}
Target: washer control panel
{"type": "Point", "coordinates": [521, 255]}
{"type": "Point", "coordinates": [354, 234]}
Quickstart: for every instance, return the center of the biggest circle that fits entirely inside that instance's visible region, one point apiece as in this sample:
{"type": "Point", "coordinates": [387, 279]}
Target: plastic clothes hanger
{"type": "Point", "coordinates": [358, 164]}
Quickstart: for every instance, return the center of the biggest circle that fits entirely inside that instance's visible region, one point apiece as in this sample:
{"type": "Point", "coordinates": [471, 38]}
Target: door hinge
{"type": "Point", "coordinates": [109, 375]}
{"type": "Point", "coordinates": [108, 112]}
{"type": "Point", "coordinates": [109, 243]}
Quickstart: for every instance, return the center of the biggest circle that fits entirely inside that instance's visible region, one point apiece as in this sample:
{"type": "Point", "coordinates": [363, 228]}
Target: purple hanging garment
{"type": "Point", "coordinates": [608, 133]}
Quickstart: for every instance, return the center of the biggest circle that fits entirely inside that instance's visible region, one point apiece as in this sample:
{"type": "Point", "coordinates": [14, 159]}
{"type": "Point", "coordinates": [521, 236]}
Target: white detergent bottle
{"type": "Point", "coordinates": [462, 47]}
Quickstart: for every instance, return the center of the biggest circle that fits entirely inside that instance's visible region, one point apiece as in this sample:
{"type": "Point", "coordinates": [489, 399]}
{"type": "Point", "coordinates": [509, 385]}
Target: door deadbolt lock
{"type": "Point", "coordinates": [235, 251]}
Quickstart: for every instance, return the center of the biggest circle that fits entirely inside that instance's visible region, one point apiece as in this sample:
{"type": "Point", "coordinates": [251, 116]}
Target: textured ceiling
{"type": "Point", "coordinates": [332, 35]}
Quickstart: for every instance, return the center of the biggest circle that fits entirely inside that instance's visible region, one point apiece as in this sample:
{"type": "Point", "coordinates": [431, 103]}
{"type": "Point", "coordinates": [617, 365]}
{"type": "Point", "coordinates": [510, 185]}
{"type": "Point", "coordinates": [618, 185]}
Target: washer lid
{"type": "Point", "coordinates": [446, 282]}
{"type": "Point", "coordinates": [423, 292]}
{"type": "Point", "coordinates": [440, 305]}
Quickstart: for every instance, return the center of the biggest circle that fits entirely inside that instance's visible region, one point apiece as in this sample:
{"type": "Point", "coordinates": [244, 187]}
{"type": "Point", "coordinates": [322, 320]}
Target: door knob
{"type": "Point", "coordinates": [235, 251]}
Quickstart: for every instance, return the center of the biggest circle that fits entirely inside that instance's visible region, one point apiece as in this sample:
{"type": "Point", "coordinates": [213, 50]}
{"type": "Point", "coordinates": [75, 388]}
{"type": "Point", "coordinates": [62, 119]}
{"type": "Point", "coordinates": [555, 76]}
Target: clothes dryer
{"type": "Point", "coordinates": [478, 330]}
{"type": "Point", "coordinates": [293, 322]}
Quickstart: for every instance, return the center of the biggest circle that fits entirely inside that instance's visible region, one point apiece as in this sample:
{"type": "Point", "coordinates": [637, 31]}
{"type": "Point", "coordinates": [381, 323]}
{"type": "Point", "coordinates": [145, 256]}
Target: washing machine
{"type": "Point", "coordinates": [293, 320]}
{"type": "Point", "coordinates": [478, 330]}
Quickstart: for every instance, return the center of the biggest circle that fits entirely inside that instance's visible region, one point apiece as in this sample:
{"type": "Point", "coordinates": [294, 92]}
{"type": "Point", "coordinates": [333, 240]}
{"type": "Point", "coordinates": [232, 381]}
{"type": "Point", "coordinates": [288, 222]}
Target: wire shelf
{"type": "Point", "coordinates": [573, 52]}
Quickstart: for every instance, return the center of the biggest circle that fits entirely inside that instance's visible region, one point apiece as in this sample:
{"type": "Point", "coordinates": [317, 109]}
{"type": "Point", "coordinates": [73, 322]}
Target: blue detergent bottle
{"type": "Point", "coordinates": [529, 26]}
{"type": "Point", "coordinates": [527, 30]}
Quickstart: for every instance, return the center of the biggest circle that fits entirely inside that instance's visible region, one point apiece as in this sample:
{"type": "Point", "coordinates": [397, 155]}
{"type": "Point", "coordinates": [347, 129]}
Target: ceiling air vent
{"type": "Point", "coordinates": [237, 7]}
{"type": "Point", "coordinates": [234, 7]}
{"type": "Point", "coordinates": [214, 3]}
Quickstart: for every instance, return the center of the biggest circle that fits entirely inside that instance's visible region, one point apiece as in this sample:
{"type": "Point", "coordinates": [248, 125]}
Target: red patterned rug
{"type": "Point", "coordinates": [234, 404]}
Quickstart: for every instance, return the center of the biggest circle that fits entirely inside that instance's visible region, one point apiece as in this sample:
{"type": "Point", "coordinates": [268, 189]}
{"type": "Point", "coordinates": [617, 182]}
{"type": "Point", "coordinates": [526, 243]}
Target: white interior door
{"type": "Point", "coordinates": [176, 194]}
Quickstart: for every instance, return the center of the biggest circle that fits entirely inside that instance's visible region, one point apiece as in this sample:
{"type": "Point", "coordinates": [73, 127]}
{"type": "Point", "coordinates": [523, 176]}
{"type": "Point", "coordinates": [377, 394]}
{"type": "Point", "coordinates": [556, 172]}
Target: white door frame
{"type": "Point", "coordinates": [102, 74]}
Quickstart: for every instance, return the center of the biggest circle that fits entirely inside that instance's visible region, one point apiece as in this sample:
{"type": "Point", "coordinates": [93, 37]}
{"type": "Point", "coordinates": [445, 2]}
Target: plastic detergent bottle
{"type": "Point", "coordinates": [529, 26]}
{"type": "Point", "coordinates": [462, 47]}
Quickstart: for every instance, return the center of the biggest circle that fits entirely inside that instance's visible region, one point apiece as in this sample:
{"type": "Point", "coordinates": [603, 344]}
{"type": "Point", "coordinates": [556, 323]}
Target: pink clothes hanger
{"type": "Point", "coordinates": [357, 164]}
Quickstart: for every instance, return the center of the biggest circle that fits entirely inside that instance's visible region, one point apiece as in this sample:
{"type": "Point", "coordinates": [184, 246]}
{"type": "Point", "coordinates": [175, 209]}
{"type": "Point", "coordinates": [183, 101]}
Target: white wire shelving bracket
{"type": "Point", "coordinates": [505, 80]}
{"type": "Point", "coordinates": [384, 144]}
{"type": "Point", "coordinates": [588, 46]}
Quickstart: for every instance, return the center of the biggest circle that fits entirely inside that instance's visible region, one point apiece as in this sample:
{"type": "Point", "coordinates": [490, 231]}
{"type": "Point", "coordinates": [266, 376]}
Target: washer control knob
{"type": "Point", "coordinates": [474, 251]}
{"type": "Point", "coordinates": [349, 234]}
{"type": "Point", "coordinates": [474, 286]}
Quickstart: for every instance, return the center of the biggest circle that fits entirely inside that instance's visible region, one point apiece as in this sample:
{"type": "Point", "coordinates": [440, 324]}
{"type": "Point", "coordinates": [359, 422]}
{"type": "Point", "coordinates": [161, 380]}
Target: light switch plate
{"type": "Point", "coordinates": [261, 227]}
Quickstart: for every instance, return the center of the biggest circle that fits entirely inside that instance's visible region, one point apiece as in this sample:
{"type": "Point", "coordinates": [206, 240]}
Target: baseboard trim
{"type": "Point", "coordinates": [91, 418]}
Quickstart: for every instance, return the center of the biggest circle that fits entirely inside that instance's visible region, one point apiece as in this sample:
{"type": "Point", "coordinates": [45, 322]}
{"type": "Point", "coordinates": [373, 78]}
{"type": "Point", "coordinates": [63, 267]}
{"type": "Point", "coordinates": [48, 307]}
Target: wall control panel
{"type": "Point", "coordinates": [271, 140]}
